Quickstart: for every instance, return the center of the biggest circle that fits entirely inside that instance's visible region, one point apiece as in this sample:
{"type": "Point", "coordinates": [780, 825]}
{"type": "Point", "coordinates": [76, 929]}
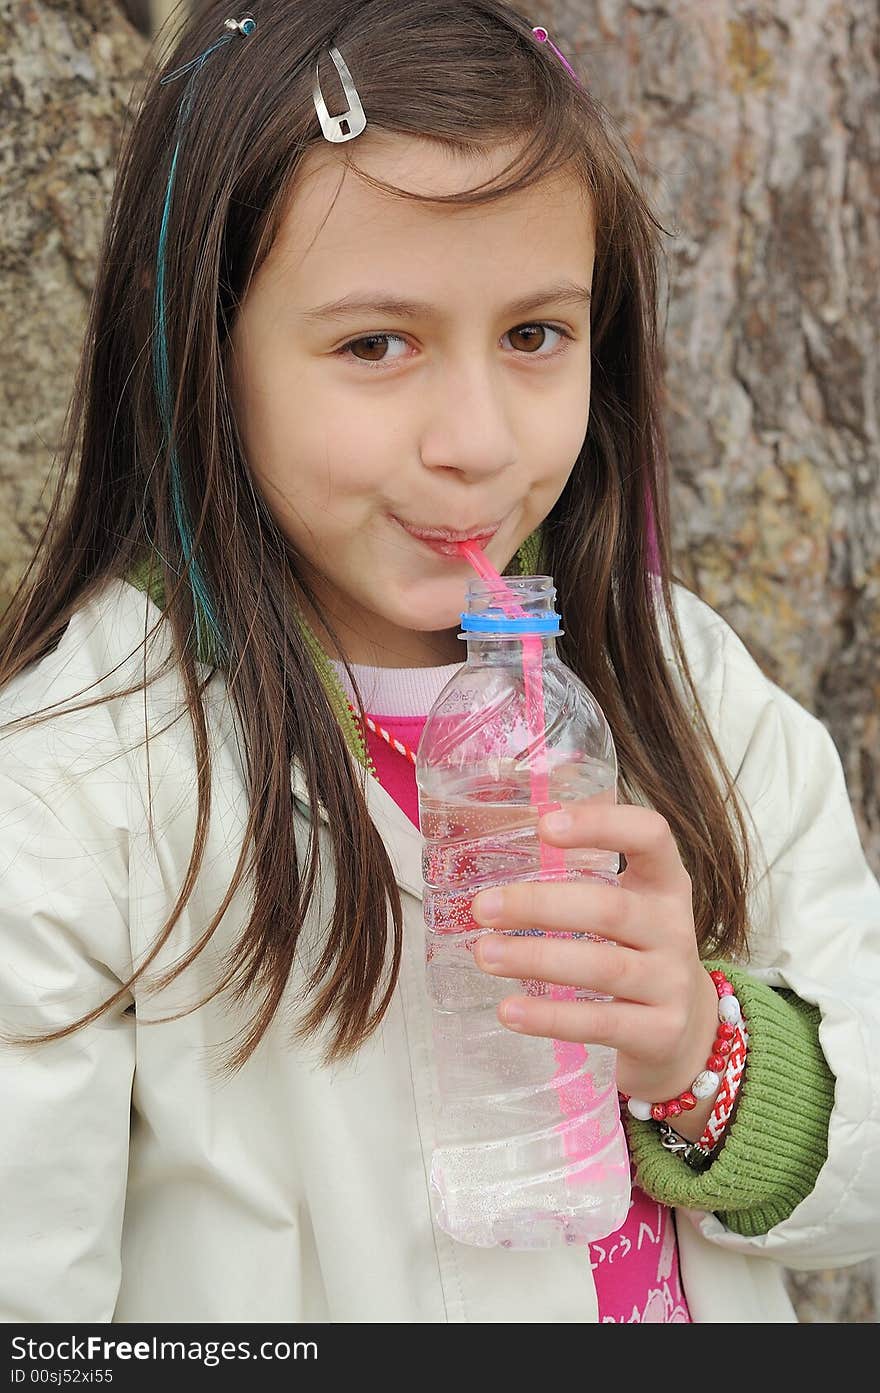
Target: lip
{"type": "Point", "coordinates": [447, 535]}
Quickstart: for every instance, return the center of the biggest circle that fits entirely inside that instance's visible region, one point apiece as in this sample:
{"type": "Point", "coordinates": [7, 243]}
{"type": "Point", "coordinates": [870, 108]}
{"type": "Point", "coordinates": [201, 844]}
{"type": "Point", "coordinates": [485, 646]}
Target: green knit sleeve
{"type": "Point", "coordinates": [778, 1140]}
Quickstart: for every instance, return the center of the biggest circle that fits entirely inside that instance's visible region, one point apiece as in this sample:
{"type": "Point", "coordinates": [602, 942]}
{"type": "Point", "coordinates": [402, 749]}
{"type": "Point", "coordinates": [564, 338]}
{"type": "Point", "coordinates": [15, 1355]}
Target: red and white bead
{"type": "Point", "coordinates": [729, 1008]}
{"type": "Point", "coordinates": [706, 1083]}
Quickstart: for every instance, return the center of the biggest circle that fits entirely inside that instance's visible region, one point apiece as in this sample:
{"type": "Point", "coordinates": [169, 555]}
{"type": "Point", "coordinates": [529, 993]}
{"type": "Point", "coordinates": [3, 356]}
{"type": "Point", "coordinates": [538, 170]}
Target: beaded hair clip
{"type": "Point", "coordinates": [543, 37]}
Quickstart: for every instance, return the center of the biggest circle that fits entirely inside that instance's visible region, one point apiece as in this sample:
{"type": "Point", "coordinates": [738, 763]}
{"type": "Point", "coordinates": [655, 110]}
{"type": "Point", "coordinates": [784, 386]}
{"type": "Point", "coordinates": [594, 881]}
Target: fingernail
{"type": "Point", "coordinates": [558, 822]}
{"type": "Point", "coordinates": [513, 1013]}
{"type": "Point", "coordinates": [488, 905]}
{"type": "Point", "coordinates": [491, 950]}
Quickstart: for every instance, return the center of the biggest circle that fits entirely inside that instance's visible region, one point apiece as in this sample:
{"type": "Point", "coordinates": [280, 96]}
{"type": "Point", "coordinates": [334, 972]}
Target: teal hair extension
{"type": "Point", "coordinates": [210, 641]}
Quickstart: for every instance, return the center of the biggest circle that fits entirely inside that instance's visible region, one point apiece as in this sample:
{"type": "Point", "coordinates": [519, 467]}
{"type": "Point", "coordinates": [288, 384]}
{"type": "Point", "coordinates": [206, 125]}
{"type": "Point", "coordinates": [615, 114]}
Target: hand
{"type": "Point", "coordinates": [665, 1009]}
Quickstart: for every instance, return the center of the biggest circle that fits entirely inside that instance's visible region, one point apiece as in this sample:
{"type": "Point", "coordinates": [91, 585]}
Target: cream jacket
{"type": "Point", "coordinates": [139, 1184]}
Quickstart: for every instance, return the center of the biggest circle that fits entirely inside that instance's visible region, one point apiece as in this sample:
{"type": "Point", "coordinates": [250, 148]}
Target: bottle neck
{"type": "Point", "coordinates": [507, 650]}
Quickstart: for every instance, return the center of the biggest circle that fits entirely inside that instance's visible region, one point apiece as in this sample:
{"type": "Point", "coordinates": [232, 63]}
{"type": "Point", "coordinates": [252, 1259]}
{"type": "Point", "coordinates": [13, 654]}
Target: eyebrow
{"type": "Point", "coordinates": [386, 303]}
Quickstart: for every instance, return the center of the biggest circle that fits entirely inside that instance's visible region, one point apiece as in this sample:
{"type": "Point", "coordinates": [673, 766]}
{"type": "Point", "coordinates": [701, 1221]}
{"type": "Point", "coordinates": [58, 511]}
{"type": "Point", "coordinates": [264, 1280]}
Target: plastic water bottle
{"type": "Point", "coordinates": [530, 1150]}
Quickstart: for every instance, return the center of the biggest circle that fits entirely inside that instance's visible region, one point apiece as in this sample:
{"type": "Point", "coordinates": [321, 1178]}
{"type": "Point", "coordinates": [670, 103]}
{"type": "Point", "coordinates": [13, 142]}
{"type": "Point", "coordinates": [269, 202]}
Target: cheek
{"type": "Point", "coordinates": [556, 447]}
{"type": "Point", "coordinates": [294, 430]}
{"type": "Point", "coordinates": [317, 480]}
{"type": "Point", "coordinates": [561, 438]}
{"type": "Point", "coordinates": [575, 421]}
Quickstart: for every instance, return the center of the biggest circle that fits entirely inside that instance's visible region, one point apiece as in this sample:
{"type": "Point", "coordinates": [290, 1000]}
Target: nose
{"type": "Point", "coordinates": [469, 427]}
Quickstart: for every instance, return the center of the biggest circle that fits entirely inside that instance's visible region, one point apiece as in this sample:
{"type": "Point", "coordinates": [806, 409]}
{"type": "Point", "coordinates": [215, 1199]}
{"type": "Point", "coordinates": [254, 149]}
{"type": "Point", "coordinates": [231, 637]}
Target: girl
{"type": "Point", "coordinates": [314, 337]}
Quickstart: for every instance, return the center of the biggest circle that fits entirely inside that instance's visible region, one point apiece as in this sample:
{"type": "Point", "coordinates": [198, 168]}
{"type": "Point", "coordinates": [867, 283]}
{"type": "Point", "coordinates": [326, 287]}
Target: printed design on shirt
{"type": "Point", "coordinates": [636, 1269]}
{"type": "Point", "coordinates": [661, 1308]}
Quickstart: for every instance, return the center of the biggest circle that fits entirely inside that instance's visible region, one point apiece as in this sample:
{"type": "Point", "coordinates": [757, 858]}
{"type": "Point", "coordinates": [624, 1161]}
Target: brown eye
{"type": "Point", "coordinates": [375, 346]}
{"type": "Point", "coordinates": [530, 336]}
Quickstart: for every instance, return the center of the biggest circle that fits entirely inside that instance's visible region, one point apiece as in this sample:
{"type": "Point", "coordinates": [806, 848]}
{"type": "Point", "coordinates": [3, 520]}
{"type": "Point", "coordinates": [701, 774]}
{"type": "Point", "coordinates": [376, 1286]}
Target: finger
{"type": "Point", "coordinates": [643, 835]}
{"type": "Point", "coordinates": [570, 962]}
{"type": "Point", "coordinates": [585, 906]}
{"type": "Point", "coordinates": [620, 1025]}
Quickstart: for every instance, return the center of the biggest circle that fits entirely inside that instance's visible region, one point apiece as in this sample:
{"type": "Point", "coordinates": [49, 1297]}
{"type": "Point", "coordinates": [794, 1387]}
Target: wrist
{"type": "Point", "coordinates": [715, 1086]}
{"type": "Point", "coordinates": [674, 1077]}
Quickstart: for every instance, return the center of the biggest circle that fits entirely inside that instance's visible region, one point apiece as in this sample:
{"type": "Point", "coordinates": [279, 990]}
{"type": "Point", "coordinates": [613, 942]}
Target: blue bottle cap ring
{"type": "Point", "coordinates": [493, 623]}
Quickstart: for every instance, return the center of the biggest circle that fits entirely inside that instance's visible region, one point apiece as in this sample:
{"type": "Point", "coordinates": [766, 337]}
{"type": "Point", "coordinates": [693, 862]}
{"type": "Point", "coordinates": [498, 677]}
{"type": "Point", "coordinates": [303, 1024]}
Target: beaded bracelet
{"type": "Point", "coordinates": [700, 1154]}
{"type": "Point", "coordinates": [708, 1081]}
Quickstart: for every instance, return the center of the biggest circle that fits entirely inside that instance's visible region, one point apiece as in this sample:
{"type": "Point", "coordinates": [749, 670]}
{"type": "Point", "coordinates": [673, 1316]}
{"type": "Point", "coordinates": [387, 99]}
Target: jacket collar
{"type": "Point", "coordinates": [403, 841]}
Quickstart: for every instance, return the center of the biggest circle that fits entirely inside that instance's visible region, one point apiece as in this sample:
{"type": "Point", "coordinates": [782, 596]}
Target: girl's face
{"type": "Point", "coordinates": [463, 413]}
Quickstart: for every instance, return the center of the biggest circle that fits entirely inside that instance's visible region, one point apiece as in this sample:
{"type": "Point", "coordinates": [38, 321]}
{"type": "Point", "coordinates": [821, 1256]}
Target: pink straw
{"type": "Point", "coordinates": [570, 1056]}
{"type": "Point", "coordinates": [552, 857]}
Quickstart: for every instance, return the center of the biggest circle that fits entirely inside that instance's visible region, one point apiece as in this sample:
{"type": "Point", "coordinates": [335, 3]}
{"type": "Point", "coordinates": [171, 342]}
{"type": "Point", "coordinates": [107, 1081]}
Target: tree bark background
{"type": "Point", "coordinates": [67, 68]}
{"type": "Point", "coordinates": [756, 130]}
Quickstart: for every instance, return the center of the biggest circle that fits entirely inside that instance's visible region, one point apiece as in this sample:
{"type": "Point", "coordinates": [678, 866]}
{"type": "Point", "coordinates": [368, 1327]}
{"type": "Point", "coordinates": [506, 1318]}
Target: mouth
{"type": "Point", "coordinates": [446, 536]}
{"type": "Point", "coordinates": [443, 541]}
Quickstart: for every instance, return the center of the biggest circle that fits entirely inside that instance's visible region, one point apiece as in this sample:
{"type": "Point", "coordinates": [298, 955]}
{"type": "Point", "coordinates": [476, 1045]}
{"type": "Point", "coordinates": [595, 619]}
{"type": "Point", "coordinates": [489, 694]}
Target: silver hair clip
{"type": "Point", "coordinates": [345, 127]}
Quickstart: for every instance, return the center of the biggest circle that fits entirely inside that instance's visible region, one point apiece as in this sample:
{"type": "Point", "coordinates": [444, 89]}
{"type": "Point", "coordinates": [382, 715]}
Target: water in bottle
{"type": "Point", "coordinates": [530, 1151]}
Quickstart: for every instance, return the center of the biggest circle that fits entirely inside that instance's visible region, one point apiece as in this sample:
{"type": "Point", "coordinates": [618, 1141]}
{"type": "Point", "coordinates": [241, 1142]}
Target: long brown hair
{"type": "Point", "coordinates": [467, 73]}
